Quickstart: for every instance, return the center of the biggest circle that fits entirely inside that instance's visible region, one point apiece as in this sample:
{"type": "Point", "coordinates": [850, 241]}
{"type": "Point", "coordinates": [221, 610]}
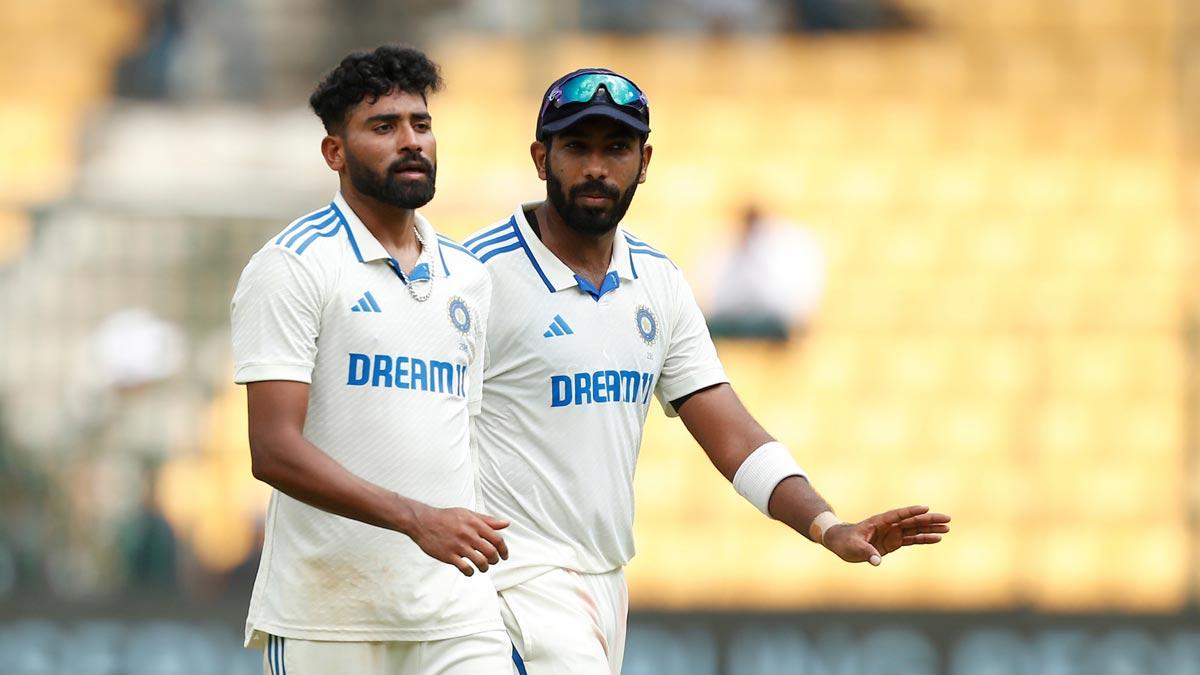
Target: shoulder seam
{"type": "Point", "coordinates": [454, 245]}
{"type": "Point", "coordinates": [639, 247]}
{"type": "Point", "coordinates": [496, 240]}
{"type": "Point", "coordinates": [302, 233]}
{"type": "Point", "coordinates": [308, 218]}
{"type": "Point", "coordinates": [476, 238]}
{"type": "Point", "coordinates": [514, 246]}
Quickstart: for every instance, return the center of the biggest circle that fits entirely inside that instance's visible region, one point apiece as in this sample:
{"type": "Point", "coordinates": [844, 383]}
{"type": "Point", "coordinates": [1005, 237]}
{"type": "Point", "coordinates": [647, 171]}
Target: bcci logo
{"type": "Point", "coordinates": [460, 316]}
{"type": "Point", "coordinates": [647, 325]}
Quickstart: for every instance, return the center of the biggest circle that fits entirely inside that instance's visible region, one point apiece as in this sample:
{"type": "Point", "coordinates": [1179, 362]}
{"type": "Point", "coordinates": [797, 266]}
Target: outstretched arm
{"type": "Point", "coordinates": [728, 434]}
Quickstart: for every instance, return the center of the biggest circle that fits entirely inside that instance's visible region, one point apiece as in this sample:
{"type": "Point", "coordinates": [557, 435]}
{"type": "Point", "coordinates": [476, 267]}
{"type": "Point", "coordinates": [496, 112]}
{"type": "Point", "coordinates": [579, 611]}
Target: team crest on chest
{"type": "Point", "coordinates": [460, 315]}
{"type": "Point", "coordinates": [647, 324]}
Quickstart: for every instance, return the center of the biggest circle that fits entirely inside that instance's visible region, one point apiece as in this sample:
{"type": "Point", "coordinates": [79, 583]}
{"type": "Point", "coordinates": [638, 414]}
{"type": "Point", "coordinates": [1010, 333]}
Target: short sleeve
{"type": "Point", "coordinates": [691, 363]}
{"type": "Point", "coordinates": [479, 357]}
{"type": "Point", "coordinates": [276, 318]}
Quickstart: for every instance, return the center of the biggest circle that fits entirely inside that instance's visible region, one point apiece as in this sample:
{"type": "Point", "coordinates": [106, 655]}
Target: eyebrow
{"type": "Point", "coordinates": [396, 117]}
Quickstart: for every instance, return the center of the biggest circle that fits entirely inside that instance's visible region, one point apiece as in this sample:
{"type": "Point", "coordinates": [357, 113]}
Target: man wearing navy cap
{"type": "Point", "coordinates": [590, 323]}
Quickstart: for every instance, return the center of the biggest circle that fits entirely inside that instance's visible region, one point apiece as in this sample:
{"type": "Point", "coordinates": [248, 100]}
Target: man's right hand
{"type": "Point", "coordinates": [459, 537]}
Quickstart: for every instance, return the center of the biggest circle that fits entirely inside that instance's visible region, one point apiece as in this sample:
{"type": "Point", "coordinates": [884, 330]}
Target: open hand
{"type": "Point", "coordinates": [879, 535]}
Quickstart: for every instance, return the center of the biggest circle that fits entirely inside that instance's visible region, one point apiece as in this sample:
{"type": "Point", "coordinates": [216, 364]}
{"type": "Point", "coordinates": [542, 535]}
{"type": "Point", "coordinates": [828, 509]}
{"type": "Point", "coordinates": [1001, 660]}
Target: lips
{"type": "Point", "coordinates": [413, 165]}
{"type": "Point", "coordinates": [594, 193]}
{"type": "Point", "coordinates": [594, 200]}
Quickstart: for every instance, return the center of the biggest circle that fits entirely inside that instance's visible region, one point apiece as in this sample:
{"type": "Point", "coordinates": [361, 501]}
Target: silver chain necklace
{"type": "Point", "coordinates": [426, 283]}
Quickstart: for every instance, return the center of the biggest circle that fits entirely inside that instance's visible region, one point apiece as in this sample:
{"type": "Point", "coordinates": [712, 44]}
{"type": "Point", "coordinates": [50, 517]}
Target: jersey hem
{"type": "Point", "coordinates": [691, 385]}
{"type": "Point", "coordinates": [273, 371]}
{"type": "Point", "coordinates": [256, 632]}
{"type": "Point", "coordinates": [522, 575]}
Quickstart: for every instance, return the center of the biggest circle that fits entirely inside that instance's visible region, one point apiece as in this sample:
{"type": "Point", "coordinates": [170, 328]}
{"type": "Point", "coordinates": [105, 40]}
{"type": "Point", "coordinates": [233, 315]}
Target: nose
{"type": "Point", "coordinates": [595, 167]}
{"type": "Point", "coordinates": [408, 140]}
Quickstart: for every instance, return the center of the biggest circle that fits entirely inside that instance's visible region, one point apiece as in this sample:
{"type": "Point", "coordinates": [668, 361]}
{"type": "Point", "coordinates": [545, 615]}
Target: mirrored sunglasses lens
{"type": "Point", "coordinates": [621, 91]}
{"type": "Point", "coordinates": [581, 89]}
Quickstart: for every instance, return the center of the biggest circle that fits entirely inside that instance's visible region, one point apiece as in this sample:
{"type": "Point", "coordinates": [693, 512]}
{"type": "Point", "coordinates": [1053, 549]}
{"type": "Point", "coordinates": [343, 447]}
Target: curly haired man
{"type": "Point", "coordinates": [358, 331]}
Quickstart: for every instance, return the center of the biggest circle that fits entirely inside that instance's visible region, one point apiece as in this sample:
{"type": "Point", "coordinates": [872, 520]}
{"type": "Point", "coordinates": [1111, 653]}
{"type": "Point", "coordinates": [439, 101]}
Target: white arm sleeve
{"type": "Point", "coordinates": [276, 317]}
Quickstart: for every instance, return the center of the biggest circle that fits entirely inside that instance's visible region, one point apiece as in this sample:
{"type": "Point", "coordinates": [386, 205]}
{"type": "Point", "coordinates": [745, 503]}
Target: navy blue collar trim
{"type": "Point", "coordinates": [349, 233]}
{"type": "Point", "coordinates": [529, 254]}
{"type": "Point", "coordinates": [442, 253]}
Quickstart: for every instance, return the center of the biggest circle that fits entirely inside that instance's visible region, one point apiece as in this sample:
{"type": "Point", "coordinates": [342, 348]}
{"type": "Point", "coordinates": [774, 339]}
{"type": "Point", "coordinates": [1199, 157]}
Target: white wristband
{"type": "Point", "coordinates": [762, 470]}
{"type": "Point", "coordinates": [821, 524]}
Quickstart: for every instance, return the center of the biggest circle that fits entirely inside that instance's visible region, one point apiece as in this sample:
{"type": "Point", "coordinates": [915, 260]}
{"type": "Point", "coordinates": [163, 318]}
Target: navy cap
{"type": "Point", "coordinates": [554, 118]}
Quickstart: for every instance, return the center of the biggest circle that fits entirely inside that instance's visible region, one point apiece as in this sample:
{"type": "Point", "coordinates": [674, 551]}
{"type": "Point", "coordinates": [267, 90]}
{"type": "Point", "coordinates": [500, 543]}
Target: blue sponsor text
{"type": "Point", "coordinates": [407, 372]}
{"type": "Point", "coordinates": [601, 386]}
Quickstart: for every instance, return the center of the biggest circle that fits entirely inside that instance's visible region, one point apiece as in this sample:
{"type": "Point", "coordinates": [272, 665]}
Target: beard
{"type": "Point", "coordinates": [585, 219]}
{"type": "Point", "coordinates": [387, 188]}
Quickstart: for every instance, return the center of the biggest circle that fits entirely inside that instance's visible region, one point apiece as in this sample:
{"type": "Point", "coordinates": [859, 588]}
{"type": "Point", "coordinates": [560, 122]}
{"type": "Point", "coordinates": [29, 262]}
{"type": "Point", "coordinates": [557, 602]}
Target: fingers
{"type": "Point", "coordinates": [923, 534]}
{"type": "Point", "coordinates": [480, 555]}
{"type": "Point", "coordinates": [470, 541]}
{"type": "Point", "coordinates": [873, 556]}
{"type": "Point", "coordinates": [911, 516]}
{"type": "Point", "coordinates": [462, 564]}
{"type": "Point", "coordinates": [484, 548]}
{"type": "Point", "coordinates": [492, 537]}
{"type": "Point", "coordinates": [488, 550]}
{"type": "Point", "coordinates": [480, 560]}
{"type": "Point", "coordinates": [925, 529]}
{"type": "Point", "coordinates": [494, 523]}
{"type": "Point", "coordinates": [925, 519]}
{"type": "Point", "coordinates": [497, 542]}
{"type": "Point", "coordinates": [896, 516]}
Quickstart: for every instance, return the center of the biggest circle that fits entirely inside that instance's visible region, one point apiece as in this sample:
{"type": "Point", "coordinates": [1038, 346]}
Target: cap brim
{"type": "Point", "coordinates": [595, 111]}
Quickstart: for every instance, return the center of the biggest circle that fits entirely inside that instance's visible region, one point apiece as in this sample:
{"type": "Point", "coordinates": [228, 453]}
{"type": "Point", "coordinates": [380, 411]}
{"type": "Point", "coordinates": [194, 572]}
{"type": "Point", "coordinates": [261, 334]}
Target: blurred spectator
{"type": "Point", "coordinates": [769, 283]}
{"type": "Point", "coordinates": [715, 17]}
{"type": "Point", "coordinates": [133, 347]}
{"type": "Point", "coordinates": [147, 543]}
{"type": "Point", "coordinates": [817, 16]}
{"type": "Point", "coordinates": [146, 73]}
{"type": "Point", "coordinates": [193, 50]}
{"type": "Point", "coordinates": [723, 17]}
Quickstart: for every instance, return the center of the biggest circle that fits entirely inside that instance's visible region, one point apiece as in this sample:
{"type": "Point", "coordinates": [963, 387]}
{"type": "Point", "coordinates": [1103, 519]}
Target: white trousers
{"type": "Point", "coordinates": [563, 622]}
{"type": "Point", "coordinates": [488, 653]}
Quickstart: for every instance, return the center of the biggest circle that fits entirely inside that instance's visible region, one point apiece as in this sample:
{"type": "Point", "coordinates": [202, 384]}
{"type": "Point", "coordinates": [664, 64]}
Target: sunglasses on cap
{"type": "Point", "coordinates": [582, 89]}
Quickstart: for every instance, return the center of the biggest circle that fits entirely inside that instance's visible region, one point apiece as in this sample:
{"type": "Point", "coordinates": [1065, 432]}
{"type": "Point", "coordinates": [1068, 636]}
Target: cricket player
{"type": "Point", "coordinates": [593, 322]}
{"type": "Point", "coordinates": [358, 332]}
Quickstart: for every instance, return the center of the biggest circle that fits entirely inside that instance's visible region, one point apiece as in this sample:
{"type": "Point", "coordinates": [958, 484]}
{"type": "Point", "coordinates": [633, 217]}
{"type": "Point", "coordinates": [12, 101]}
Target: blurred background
{"type": "Point", "coordinates": [978, 220]}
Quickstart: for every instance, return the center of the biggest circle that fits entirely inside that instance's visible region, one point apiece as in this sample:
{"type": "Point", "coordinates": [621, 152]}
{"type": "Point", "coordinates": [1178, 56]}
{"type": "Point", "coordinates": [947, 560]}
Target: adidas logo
{"type": "Point", "coordinates": [558, 327]}
{"type": "Point", "coordinates": [366, 304]}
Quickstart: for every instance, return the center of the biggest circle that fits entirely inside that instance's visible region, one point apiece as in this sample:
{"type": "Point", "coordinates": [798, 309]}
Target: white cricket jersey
{"type": "Point", "coordinates": [569, 373]}
{"type": "Point", "coordinates": [392, 381]}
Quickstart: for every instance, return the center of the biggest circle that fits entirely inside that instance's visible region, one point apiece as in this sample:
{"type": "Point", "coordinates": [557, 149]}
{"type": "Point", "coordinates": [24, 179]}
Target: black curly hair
{"type": "Point", "coordinates": [370, 75]}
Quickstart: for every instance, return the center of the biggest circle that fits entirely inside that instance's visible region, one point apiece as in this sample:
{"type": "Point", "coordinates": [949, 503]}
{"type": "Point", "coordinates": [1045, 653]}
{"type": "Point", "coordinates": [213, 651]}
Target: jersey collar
{"type": "Point", "coordinates": [554, 272]}
{"type": "Point", "coordinates": [367, 248]}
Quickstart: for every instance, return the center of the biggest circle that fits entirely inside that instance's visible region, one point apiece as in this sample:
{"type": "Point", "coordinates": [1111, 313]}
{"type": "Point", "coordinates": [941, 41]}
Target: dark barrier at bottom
{"type": "Point", "coordinates": [912, 644]}
{"type": "Point", "coordinates": [866, 643]}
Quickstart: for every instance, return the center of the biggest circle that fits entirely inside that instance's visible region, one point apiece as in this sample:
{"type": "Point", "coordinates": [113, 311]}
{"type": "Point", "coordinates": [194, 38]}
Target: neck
{"type": "Point", "coordinates": [588, 255]}
{"type": "Point", "coordinates": [391, 225]}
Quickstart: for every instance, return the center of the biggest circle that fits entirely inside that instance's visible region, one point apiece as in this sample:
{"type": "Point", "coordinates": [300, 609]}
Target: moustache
{"type": "Point", "coordinates": [595, 188]}
{"type": "Point", "coordinates": [412, 162]}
